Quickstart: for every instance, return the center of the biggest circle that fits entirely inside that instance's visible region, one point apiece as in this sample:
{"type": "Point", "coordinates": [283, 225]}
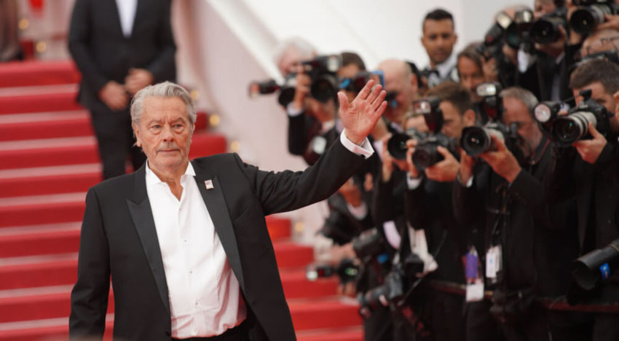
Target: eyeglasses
{"type": "Point", "coordinates": [603, 44]}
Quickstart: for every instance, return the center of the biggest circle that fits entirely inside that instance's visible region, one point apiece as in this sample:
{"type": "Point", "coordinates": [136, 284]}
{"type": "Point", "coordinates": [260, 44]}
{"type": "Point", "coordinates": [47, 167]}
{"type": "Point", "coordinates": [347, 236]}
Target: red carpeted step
{"type": "Point", "coordinates": [325, 313]}
{"type": "Point", "coordinates": [64, 238]}
{"type": "Point", "coordinates": [336, 334]}
{"type": "Point", "coordinates": [32, 73]}
{"type": "Point", "coordinates": [44, 330]}
{"type": "Point", "coordinates": [61, 101]}
{"type": "Point", "coordinates": [290, 254]}
{"type": "Point", "coordinates": [48, 180]}
{"type": "Point", "coordinates": [83, 150]}
{"type": "Point", "coordinates": [19, 127]}
{"type": "Point", "coordinates": [54, 302]}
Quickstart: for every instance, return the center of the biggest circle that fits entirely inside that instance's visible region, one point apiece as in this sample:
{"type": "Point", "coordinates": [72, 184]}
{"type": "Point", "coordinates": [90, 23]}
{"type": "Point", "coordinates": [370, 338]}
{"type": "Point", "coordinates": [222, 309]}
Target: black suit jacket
{"type": "Point", "coordinates": [102, 53]}
{"type": "Point", "coordinates": [119, 240]}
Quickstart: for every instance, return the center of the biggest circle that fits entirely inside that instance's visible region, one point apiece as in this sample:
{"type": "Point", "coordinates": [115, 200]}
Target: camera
{"type": "Point", "coordinates": [565, 130]}
{"type": "Point", "coordinates": [426, 152]}
{"type": "Point", "coordinates": [590, 14]}
{"type": "Point", "coordinates": [478, 140]}
{"type": "Point", "coordinates": [322, 72]}
{"type": "Point", "coordinates": [286, 89]}
{"type": "Point", "coordinates": [347, 271]}
{"type": "Point", "coordinates": [396, 286]}
{"type": "Point", "coordinates": [370, 244]}
{"type": "Point", "coordinates": [397, 143]}
{"type": "Point", "coordinates": [356, 83]}
{"type": "Point", "coordinates": [518, 34]}
{"type": "Point", "coordinates": [594, 267]}
{"type": "Point", "coordinates": [493, 40]}
{"type": "Point", "coordinates": [546, 29]}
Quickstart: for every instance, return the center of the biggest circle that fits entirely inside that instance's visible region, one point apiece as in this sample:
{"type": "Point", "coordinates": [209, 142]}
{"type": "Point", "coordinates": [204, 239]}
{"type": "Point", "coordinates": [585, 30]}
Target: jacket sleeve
{"type": "Point", "coordinates": [89, 298]}
{"type": "Point", "coordinates": [79, 41]}
{"type": "Point", "coordinates": [287, 190]}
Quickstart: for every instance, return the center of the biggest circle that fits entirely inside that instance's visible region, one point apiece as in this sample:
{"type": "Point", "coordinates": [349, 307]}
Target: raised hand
{"type": "Point", "coordinates": [359, 116]}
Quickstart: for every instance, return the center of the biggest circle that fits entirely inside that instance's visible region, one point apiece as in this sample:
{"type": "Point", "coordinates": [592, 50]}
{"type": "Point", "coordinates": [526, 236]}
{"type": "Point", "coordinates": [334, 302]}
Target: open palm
{"type": "Point", "coordinates": [360, 116]}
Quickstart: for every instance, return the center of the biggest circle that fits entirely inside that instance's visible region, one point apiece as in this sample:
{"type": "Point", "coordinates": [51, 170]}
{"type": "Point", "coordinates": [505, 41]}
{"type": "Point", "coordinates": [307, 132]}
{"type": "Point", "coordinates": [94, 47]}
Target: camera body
{"type": "Point", "coordinates": [590, 14]}
{"type": "Point", "coordinates": [426, 153]}
{"type": "Point", "coordinates": [478, 139]}
{"type": "Point", "coordinates": [322, 71]}
{"type": "Point", "coordinates": [546, 29]}
{"type": "Point", "coordinates": [565, 130]}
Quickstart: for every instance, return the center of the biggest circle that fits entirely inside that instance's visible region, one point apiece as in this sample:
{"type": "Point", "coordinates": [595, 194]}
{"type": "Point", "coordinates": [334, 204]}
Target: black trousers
{"type": "Point", "coordinates": [115, 141]}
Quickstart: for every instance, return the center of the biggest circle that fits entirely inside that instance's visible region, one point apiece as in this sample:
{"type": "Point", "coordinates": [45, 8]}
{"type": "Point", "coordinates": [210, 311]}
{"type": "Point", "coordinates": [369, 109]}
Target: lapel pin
{"type": "Point", "coordinates": [209, 184]}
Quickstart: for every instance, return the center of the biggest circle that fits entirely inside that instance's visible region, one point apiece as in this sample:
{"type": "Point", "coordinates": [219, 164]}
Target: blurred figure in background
{"type": "Point", "coordinates": [9, 31]}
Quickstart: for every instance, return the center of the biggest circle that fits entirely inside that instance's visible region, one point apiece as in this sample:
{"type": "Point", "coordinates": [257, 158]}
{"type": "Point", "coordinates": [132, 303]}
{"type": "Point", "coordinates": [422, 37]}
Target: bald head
{"type": "Point", "coordinates": [401, 83]}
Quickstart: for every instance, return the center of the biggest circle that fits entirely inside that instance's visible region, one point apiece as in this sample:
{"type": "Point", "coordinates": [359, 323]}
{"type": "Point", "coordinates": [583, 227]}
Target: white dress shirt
{"type": "Point", "coordinates": [126, 12]}
{"type": "Point", "coordinates": [205, 297]}
{"type": "Point", "coordinates": [204, 293]}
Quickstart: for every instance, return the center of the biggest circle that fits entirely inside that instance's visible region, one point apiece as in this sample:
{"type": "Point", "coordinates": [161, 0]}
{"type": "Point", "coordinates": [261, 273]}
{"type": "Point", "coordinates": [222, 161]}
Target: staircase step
{"type": "Point", "coordinates": [81, 150]}
{"type": "Point", "coordinates": [48, 180]}
{"type": "Point", "coordinates": [62, 238]}
{"type": "Point", "coordinates": [55, 301]}
{"type": "Point", "coordinates": [48, 125]}
{"type": "Point", "coordinates": [32, 73]}
{"type": "Point", "coordinates": [60, 101]}
{"type": "Point", "coordinates": [335, 334]}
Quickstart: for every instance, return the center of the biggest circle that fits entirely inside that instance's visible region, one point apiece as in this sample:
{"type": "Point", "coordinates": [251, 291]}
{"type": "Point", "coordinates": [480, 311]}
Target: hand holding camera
{"type": "Point", "coordinates": [591, 149]}
{"type": "Point", "coordinates": [445, 170]}
{"type": "Point", "coordinates": [502, 160]}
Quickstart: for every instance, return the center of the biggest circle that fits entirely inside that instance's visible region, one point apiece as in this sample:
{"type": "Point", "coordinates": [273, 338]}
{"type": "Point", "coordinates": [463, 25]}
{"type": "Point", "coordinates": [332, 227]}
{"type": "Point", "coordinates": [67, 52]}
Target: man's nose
{"type": "Point", "coordinates": [167, 133]}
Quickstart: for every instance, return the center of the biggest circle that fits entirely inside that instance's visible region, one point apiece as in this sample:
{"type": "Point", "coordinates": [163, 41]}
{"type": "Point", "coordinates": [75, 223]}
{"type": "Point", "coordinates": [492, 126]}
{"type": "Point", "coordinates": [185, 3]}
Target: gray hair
{"type": "Point", "coordinates": [305, 49]}
{"type": "Point", "coordinates": [165, 89]}
{"type": "Point", "coordinates": [524, 95]}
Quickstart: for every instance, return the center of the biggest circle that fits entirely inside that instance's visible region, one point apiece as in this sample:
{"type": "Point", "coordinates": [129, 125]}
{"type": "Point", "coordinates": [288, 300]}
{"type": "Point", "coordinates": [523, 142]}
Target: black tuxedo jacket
{"type": "Point", "coordinates": [119, 240]}
{"type": "Point", "coordinates": [102, 53]}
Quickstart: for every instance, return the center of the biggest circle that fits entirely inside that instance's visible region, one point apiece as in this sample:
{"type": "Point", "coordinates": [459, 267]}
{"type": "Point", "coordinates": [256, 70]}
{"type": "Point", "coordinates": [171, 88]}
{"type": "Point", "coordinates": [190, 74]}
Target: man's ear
{"type": "Point", "coordinates": [469, 118]}
{"type": "Point", "coordinates": [136, 132]}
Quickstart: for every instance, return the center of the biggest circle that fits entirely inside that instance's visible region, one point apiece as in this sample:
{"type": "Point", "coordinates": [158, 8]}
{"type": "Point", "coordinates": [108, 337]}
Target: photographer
{"type": "Point", "coordinates": [586, 172]}
{"type": "Point", "coordinates": [474, 69]}
{"type": "Point", "coordinates": [525, 252]}
{"type": "Point", "coordinates": [310, 120]}
{"type": "Point", "coordinates": [439, 38]}
{"type": "Point", "coordinates": [429, 210]}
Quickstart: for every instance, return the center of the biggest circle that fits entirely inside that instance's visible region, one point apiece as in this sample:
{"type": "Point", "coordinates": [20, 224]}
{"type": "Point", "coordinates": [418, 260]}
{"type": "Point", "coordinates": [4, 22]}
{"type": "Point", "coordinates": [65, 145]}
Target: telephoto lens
{"type": "Point", "coordinates": [596, 266]}
{"type": "Point", "coordinates": [569, 129]}
{"type": "Point", "coordinates": [478, 140]}
{"type": "Point", "coordinates": [586, 19]}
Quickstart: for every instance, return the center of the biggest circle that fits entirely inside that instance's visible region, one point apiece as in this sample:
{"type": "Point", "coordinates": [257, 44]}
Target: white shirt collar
{"type": "Point", "coordinates": [446, 67]}
{"type": "Point", "coordinates": [153, 179]}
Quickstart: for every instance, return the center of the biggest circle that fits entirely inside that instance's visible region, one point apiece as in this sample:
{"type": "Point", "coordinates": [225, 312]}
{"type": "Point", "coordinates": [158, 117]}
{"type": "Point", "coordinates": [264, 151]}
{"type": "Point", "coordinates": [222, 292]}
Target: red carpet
{"type": "Point", "coordinates": [48, 160]}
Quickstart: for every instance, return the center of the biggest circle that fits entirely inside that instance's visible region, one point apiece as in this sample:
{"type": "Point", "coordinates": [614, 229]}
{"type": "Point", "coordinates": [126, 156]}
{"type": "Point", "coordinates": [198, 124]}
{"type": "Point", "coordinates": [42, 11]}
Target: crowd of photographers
{"type": "Point", "coordinates": [489, 210]}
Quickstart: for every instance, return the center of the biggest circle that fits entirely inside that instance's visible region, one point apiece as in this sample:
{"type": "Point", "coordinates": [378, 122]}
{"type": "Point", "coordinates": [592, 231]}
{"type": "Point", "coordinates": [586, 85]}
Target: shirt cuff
{"type": "Point", "coordinates": [359, 212]}
{"type": "Point", "coordinates": [292, 111]}
{"type": "Point", "coordinates": [365, 149]}
{"type": "Point", "coordinates": [468, 183]}
{"type": "Point", "coordinates": [412, 183]}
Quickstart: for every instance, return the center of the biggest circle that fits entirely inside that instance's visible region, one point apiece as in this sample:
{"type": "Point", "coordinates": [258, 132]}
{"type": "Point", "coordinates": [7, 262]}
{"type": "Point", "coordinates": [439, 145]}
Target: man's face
{"type": "Point", "coordinates": [438, 39]}
{"type": "Point", "coordinates": [452, 127]}
{"type": "Point", "coordinates": [404, 95]}
{"type": "Point", "coordinates": [164, 133]}
{"type": "Point", "coordinates": [599, 94]}
{"type": "Point", "coordinates": [529, 134]}
{"type": "Point", "coordinates": [470, 76]}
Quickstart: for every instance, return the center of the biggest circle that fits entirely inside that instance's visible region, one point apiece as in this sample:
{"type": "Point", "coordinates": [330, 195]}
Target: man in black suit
{"type": "Point", "coordinates": [186, 243]}
{"type": "Point", "coordinates": [119, 47]}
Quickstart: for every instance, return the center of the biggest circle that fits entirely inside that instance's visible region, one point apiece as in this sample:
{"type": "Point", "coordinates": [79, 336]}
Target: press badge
{"type": "Point", "coordinates": [474, 281]}
{"type": "Point", "coordinates": [493, 262]}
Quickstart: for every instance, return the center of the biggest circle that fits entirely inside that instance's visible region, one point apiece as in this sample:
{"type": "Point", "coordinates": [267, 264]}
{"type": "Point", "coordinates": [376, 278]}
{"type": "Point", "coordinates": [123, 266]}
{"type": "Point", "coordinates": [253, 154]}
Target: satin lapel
{"type": "Point", "coordinates": [142, 216]}
{"type": "Point", "coordinates": [114, 16]}
{"type": "Point", "coordinates": [218, 210]}
{"type": "Point", "coordinates": [140, 7]}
